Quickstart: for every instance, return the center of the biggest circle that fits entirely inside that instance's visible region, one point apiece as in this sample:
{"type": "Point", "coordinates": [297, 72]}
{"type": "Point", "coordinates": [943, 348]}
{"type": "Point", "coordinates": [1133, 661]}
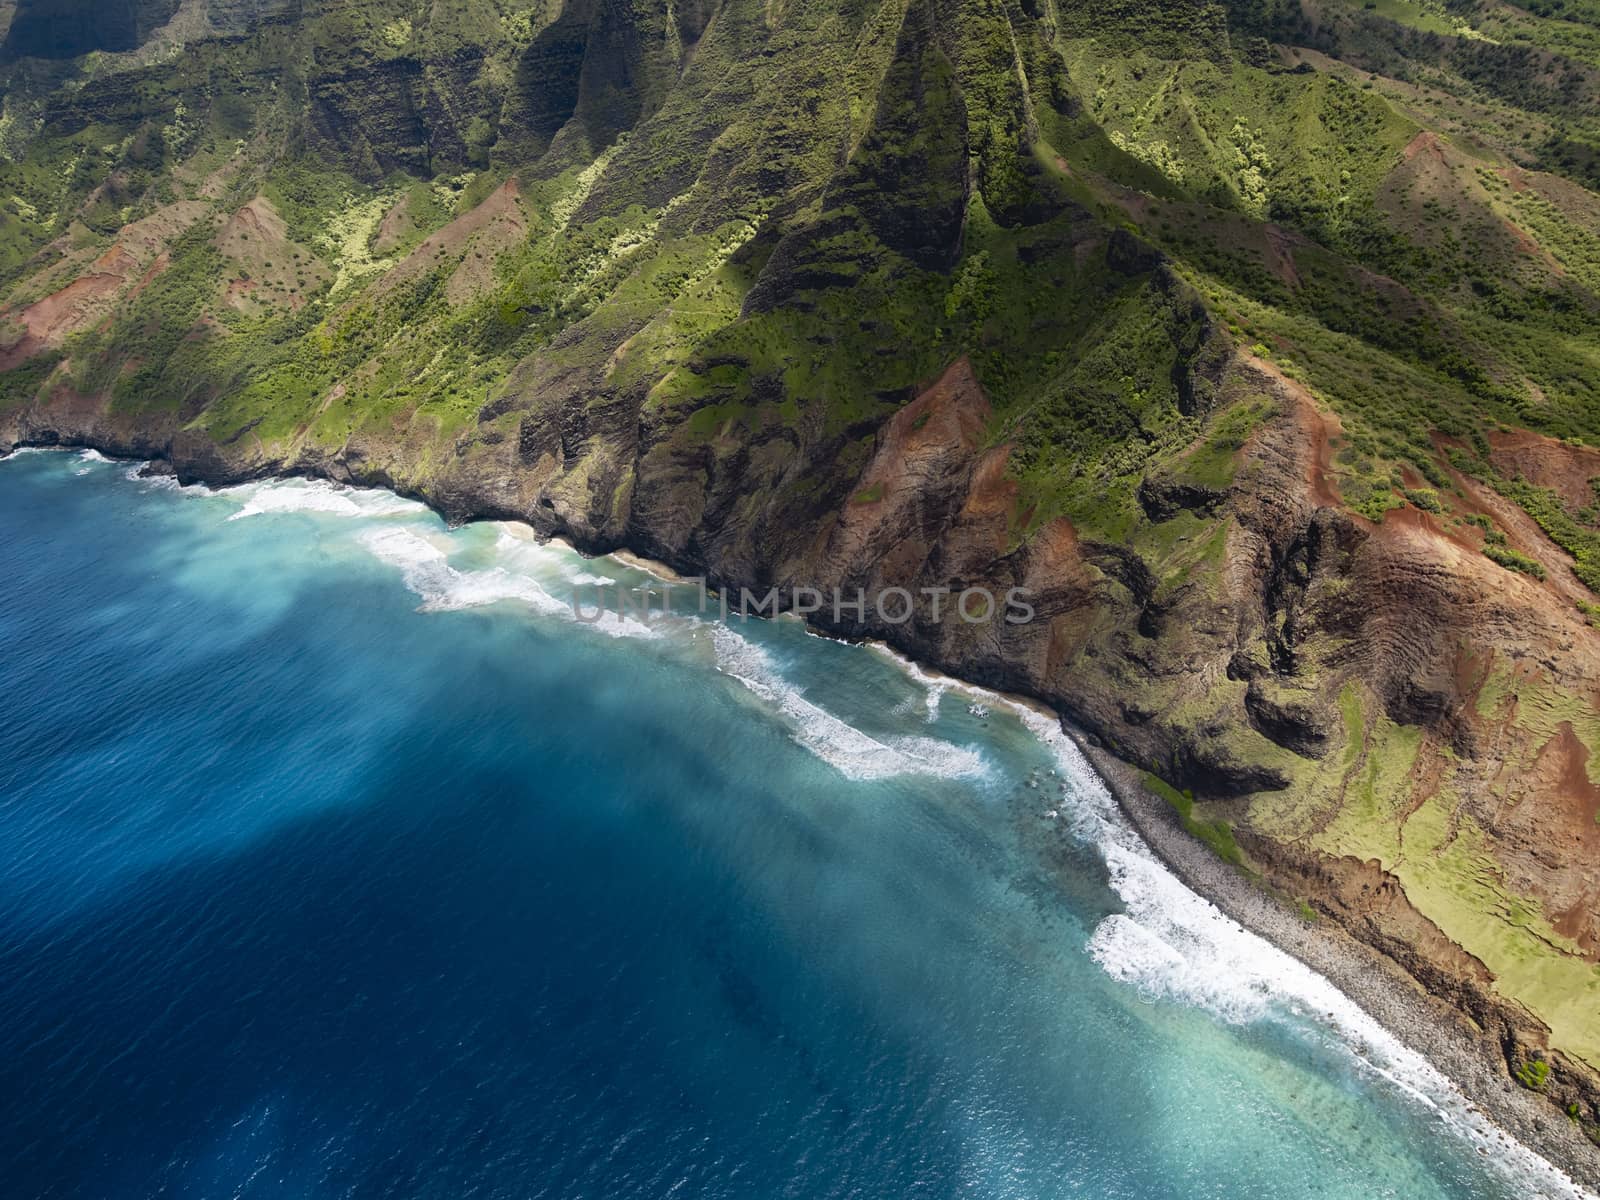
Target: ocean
{"type": "Point", "coordinates": [337, 859]}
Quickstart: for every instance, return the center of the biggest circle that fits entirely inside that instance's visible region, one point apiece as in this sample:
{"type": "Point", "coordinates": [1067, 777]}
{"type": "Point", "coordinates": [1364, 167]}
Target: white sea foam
{"type": "Point", "coordinates": [843, 747]}
{"type": "Point", "coordinates": [934, 684]}
{"type": "Point", "coordinates": [521, 544]}
{"type": "Point", "coordinates": [519, 540]}
{"type": "Point", "coordinates": [934, 756]}
{"type": "Point", "coordinates": [317, 495]}
{"type": "Point", "coordinates": [421, 562]}
{"type": "Point", "coordinates": [1172, 944]}
{"type": "Point", "coordinates": [935, 687]}
{"type": "Point", "coordinates": [1169, 942]}
{"type": "Point", "coordinates": [518, 550]}
{"type": "Point", "coordinates": [93, 456]}
{"type": "Point", "coordinates": [426, 570]}
{"type": "Point", "coordinates": [162, 483]}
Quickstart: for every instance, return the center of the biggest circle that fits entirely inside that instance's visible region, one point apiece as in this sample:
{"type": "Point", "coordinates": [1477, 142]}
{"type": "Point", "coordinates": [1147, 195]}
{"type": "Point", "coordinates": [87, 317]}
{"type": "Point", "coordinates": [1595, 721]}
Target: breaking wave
{"type": "Point", "coordinates": [1168, 942]}
{"type": "Point", "coordinates": [317, 496]}
{"type": "Point", "coordinates": [162, 483]}
{"type": "Point", "coordinates": [426, 570]}
{"type": "Point", "coordinates": [854, 754]}
{"type": "Point", "coordinates": [1172, 944]}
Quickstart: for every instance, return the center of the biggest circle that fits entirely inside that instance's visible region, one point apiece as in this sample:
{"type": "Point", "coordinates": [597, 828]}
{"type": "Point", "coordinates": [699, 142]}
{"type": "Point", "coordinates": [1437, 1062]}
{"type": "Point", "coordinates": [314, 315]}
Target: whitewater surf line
{"type": "Point", "coordinates": [1170, 943]}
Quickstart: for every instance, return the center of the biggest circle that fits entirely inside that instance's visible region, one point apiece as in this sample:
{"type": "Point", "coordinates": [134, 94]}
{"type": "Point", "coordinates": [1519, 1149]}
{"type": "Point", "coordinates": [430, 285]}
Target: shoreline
{"type": "Point", "coordinates": [1379, 986]}
{"type": "Point", "coordinates": [1390, 996]}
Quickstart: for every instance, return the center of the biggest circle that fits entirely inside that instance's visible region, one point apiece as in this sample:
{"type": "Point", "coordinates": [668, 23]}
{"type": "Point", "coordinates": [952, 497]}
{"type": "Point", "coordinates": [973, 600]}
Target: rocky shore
{"type": "Point", "coordinates": [869, 296]}
{"type": "Point", "coordinates": [1117, 657]}
{"type": "Point", "coordinates": [1427, 1024]}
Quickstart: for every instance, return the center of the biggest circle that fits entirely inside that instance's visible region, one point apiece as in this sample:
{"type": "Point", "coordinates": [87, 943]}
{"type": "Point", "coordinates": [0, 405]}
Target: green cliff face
{"type": "Point", "coordinates": [1256, 339]}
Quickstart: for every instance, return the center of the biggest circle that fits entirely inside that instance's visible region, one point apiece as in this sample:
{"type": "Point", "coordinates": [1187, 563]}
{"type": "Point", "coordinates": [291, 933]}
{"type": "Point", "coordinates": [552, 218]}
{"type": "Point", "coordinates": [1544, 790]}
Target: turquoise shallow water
{"type": "Point", "coordinates": [337, 859]}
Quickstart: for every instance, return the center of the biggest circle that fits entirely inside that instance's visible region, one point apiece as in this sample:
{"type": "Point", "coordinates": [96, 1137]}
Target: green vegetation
{"type": "Point", "coordinates": [1534, 1074]}
{"type": "Point", "coordinates": [1424, 498]}
{"type": "Point", "coordinates": [1217, 834]}
{"type": "Point", "coordinates": [1211, 464]}
{"type": "Point", "coordinates": [660, 263]}
{"type": "Point", "coordinates": [1513, 561]}
{"type": "Point", "coordinates": [897, 272]}
{"type": "Point", "coordinates": [1371, 801]}
{"type": "Point", "coordinates": [1579, 540]}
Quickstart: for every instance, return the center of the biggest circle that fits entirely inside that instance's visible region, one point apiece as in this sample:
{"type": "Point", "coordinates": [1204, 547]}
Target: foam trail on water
{"type": "Point", "coordinates": [427, 572]}
{"type": "Point", "coordinates": [842, 746]}
{"type": "Point", "coordinates": [1169, 942]}
{"type": "Point", "coordinates": [1173, 944]}
{"type": "Point", "coordinates": [317, 495]}
{"type": "Point", "coordinates": [936, 686]}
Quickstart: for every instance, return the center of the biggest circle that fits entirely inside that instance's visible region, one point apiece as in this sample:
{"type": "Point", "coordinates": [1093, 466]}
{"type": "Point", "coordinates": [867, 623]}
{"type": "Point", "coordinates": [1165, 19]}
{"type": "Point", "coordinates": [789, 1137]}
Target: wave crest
{"type": "Point", "coordinates": [318, 496]}
{"type": "Point", "coordinates": [852, 753]}
{"type": "Point", "coordinates": [442, 588]}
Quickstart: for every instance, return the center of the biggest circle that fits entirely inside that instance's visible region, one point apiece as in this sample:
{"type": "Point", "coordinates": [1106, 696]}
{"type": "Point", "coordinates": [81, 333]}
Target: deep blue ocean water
{"type": "Point", "coordinates": [338, 860]}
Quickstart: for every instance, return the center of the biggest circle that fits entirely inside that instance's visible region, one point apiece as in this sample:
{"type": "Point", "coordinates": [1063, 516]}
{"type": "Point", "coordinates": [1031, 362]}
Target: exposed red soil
{"type": "Point", "coordinates": [1433, 170]}
{"type": "Point", "coordinates": [1546, 462]}
{"type": "Point", "coordinates": [488, 230]}
{"type": "Point", "coordinates": [932, 445]}
{"type": "Point", "coordinates": [1551, 816]}
{"type": "Point", "coordinates": [1522, 535]}
{"type": "Point", "coordinates": [1425, 142]}
{"type": "Point", "coordinates": [1280, 254]}
{"type": "Point", "coordinates": [132, 261]}
{"type": "Point", "coordinates": [394, 227]}
{"type": "Point", "coordinates": [271, 266]}
{"type": "Point", "coordinates": [1315, 431]}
